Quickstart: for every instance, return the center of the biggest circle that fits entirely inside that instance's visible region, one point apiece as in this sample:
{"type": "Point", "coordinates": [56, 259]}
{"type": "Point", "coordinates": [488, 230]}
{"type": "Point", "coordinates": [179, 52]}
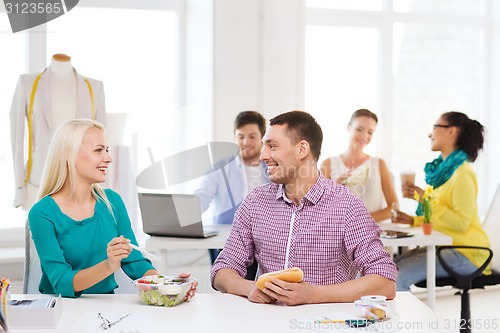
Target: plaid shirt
{"type": "Point", "coordinates": [330, 236]}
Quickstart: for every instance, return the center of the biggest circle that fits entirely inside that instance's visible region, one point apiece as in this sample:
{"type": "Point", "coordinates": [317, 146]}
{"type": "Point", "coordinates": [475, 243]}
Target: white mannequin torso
{"type": "Point", "coordinates": [63, 95]}
{"type": "Point", "coordinates": [89, 104]}
{"type": "Point", "coordinates": [63, 101]}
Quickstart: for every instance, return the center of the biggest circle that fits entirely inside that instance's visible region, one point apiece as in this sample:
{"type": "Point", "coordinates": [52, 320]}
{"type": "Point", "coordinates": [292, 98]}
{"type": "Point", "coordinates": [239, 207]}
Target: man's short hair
{"type": "Point", "coordinates": [302, 126]}
{"type": "Point", "coordinates": [250, 117]}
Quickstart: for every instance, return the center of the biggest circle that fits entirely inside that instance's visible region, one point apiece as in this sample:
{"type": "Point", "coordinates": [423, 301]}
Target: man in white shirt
{"type": "Point", "coordinates": [242, 174]}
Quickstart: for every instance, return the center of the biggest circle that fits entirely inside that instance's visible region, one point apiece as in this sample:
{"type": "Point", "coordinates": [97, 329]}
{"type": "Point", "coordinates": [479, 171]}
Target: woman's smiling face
{"type": "Point", "coordinates": [361, 130]}
{"type": "Point", "coordinates": [93, 158]}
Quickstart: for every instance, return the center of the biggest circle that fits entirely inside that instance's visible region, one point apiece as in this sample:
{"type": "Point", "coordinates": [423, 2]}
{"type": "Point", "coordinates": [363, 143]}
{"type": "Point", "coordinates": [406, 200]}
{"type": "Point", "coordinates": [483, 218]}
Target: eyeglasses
{"type": "Point", "coordinates": [106, 324]}
{"type": "Point", "coordinates": [442, 126]}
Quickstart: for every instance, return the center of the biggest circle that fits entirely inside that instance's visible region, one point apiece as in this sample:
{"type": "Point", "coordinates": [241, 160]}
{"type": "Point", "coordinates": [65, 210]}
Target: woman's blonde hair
{"type": "Point", "coordinates": [60, 165]}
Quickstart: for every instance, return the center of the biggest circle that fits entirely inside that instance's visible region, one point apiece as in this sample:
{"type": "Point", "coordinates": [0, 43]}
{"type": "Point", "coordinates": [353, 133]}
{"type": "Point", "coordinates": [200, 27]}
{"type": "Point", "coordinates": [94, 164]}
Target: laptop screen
{"type": "Point", "coordinates": [171, 214]}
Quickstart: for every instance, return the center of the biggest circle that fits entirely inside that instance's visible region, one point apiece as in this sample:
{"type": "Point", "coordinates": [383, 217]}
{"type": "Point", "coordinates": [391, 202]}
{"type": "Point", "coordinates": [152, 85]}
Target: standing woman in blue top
{"type": "Point", "coordinates": [81, 231]}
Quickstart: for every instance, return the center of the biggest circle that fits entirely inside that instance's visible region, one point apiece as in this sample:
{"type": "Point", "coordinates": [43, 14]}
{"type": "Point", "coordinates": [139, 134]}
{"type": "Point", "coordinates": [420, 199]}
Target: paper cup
{"type": "Point", "coordinates": [407, 176]}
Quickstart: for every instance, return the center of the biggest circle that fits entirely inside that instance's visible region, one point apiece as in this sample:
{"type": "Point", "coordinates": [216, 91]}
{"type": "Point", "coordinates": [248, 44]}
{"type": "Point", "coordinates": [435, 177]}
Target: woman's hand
{"type": "Point", "coordinates": [409, 190]}
{"type": "Point", "coordinates": [343, 177]}
{"type": "Point", "coordinates": [117, 250]}
{"type": "Point", "coordinates": [402, 218]}
{"type": "Point", "coordinates": [190, 294]}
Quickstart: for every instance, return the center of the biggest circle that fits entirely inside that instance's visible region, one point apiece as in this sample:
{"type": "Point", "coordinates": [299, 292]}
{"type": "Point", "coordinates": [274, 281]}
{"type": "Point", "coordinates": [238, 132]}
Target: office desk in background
{"type": "Point", "coordinates": [161, 245]}
{"type": "Point", "coordinates": [213, 313]}
{"type": "Point", "coordinates": [430, 241]}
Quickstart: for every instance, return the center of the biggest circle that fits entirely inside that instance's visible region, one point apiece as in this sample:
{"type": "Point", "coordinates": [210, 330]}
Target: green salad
{"type": "Point", "coordinates": [163, 290]}
{"type": "Point", "coordinates": [153, 297]}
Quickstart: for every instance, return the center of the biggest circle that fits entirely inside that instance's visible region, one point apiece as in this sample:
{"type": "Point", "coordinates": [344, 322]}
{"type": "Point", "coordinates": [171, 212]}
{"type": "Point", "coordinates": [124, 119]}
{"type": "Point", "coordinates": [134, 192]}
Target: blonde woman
{"type": "Point", "coordinates": [82, 232]}
{"type": "Point", "coordinates": [367, 177]}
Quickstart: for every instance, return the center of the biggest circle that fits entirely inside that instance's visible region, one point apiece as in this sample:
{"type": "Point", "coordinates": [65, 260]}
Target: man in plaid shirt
{"type": "Point", "coordinates": [303, 220]}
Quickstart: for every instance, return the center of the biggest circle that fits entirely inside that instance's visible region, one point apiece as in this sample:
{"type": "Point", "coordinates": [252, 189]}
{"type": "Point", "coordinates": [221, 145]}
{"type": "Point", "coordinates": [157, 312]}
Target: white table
{"type": "Point", "coordinates": [161, 245]}
{"type": "Point", "coordinates": [228, 313]}
{"type": "Point", "coordinates": [431, 241]}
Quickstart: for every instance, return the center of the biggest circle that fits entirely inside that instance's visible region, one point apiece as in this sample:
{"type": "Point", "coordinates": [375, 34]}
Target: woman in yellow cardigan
{"type": "Point", "coordinates": [454, 200]}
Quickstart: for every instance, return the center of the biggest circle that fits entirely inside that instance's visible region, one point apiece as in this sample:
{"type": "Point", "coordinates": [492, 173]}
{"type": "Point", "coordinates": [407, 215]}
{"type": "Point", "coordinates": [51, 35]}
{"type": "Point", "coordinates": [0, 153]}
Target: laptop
{"type": "Point", "coordinates": [172, 215]}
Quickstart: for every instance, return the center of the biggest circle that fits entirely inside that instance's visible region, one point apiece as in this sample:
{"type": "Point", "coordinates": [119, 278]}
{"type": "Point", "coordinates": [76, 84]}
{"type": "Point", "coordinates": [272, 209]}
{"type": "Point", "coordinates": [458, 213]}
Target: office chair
{"type": "Point", "coordinates": [33, 272]}
{"type": "Point", "coordinates": [475, 280]}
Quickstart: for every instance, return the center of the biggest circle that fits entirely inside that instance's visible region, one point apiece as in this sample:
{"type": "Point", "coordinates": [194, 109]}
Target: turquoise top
{"type": "Point", "coordinates": [66, 246]}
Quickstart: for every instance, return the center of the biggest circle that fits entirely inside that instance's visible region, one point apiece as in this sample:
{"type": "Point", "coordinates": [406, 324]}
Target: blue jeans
{"type": "Point", "coordinates": [412, 266]}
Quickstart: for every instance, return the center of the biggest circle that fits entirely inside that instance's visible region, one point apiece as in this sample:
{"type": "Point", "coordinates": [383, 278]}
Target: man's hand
{"type": "Point", "coordinates": [289, 293]}
{"type": "Point", "coordinates": [258, 296]}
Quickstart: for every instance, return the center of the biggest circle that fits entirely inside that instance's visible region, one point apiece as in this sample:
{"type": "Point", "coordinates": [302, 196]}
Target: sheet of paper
{"type": "Point", "coordinates": [42, 303]}
{"type": "Point", "coordinates": [111, 322]}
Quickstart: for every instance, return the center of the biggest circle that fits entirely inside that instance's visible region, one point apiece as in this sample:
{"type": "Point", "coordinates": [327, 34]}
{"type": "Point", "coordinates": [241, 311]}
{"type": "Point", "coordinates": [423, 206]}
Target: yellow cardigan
{"type": "Point", "coordinates": [455, 213]}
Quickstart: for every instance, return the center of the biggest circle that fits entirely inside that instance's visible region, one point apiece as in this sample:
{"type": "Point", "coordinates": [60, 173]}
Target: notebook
{"type": "Point", "coordinates": [172, 215]}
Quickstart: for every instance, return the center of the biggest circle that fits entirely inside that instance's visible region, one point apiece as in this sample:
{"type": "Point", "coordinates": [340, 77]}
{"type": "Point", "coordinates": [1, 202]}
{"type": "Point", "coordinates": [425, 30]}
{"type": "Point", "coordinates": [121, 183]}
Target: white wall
{"type": "Point", "coordinates": [257, 60]}
{"type": "Point", "coordinates": [282, 41]}
{"type": "Point", "coordinates": [492, 115]}
{"type": "Point", "coordinates": [236, 62]}
{"type": "Point", "coordinates": [196, 97]}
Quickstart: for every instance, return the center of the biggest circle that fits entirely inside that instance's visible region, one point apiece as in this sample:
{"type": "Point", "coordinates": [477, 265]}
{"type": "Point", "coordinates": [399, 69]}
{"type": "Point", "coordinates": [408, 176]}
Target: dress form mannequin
{"type": "Point", "coordinates": [47, 98]}
{"type": "Point", "coordinates": [63, 89]}
{"type": "Point", "coordinates": [63, 100]}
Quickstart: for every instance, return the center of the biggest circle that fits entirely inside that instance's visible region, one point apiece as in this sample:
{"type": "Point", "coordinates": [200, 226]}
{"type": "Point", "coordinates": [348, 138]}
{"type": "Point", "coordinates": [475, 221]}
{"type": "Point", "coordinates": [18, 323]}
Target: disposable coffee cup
{"type": "Point", "coordinates": [407, 176]}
